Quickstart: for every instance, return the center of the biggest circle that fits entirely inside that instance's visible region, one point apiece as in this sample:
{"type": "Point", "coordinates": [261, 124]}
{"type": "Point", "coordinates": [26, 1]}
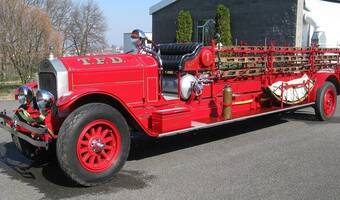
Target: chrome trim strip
{"type": "Point", "coordinates": [106, 83]}
{"type": "Point", "coordinates": [61, 77]}
{"type": "Point", "coordinates": [33, 142]}
{"type": "Point", "coordinates": [39, 131]}
{"type": "Point", "coordinates": [231, 121]}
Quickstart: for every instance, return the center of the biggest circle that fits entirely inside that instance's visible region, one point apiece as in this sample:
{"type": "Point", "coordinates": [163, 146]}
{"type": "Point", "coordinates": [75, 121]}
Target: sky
{"type": "Point", "coordinates": [123, 16]}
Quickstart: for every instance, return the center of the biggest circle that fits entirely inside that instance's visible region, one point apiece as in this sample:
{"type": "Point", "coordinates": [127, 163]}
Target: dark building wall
{"type": "Point", "coordinates": [252, 20]}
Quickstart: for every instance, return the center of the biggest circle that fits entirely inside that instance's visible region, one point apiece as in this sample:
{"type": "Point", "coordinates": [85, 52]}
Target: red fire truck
{"type": "Point", "coordinates": [86, 107]}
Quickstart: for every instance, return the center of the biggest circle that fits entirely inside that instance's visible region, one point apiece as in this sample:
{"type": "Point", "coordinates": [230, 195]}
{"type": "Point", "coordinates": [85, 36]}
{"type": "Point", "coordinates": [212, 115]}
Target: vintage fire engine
{"type": "Point", "coordinates": [86, 107]}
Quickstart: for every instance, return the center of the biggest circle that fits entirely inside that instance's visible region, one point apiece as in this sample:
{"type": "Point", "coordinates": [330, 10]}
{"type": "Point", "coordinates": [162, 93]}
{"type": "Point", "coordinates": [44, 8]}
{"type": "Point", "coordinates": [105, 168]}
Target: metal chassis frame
{"type": "Point", "coordinates": [12, 131]}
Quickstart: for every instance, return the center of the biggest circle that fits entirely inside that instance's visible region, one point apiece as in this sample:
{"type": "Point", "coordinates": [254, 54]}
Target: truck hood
{"type": "Point", "coordinates": [106, 62]}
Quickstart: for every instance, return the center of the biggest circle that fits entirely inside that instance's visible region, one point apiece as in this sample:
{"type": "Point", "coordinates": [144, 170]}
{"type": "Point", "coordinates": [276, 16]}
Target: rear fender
{"type": "Point", "coordinates": [321, 78]}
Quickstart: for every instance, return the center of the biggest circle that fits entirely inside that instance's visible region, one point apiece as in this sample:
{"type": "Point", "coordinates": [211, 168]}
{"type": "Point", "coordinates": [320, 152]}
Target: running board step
{"type": "Point", "coordinates": [198, 125]}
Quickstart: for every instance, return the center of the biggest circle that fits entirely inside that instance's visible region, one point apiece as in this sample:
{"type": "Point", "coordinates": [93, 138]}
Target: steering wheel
{"type": "Point", "coordinates": [139, 40]}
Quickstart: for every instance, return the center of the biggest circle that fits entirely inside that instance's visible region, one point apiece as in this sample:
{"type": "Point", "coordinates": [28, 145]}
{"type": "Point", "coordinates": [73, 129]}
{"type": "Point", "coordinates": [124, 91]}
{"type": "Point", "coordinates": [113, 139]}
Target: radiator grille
{"type": "Point", "coordinates": [48, 81]}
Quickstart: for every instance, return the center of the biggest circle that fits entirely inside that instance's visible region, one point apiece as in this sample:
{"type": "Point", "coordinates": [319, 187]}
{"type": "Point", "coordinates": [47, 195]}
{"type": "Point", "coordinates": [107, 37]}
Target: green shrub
{"type": "Point", "coordinates": [184, 27]}
{"type": "Point", "coordinates": [223, 24]}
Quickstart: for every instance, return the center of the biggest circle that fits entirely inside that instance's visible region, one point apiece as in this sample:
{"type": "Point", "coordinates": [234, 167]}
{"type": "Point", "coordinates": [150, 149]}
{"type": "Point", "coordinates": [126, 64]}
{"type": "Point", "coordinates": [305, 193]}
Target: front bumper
{"type": "Point", "coordinates": [11, 126]}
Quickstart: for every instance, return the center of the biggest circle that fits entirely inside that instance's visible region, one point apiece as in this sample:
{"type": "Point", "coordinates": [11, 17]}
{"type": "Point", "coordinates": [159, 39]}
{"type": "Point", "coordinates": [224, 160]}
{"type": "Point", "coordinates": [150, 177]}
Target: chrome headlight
{"type": "Point", "coordinates": [25, 95]}
{"type": "Point", "coordinates": [45, 101]}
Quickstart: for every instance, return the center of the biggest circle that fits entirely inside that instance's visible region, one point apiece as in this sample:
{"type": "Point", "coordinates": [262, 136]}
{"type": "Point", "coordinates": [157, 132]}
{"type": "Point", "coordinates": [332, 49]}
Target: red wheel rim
{"type": "Point", "coordinates": [329, 102]}
{"type": "Point", "coordinates": [98, 146]}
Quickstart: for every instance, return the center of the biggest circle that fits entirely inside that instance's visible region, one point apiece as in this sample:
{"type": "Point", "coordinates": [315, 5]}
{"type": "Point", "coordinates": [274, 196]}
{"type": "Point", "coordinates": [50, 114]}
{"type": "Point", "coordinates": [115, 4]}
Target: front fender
{"type": "Point", "coordinates": [68, 99]}
{"type": "Point", "coordinates": [66, 102]}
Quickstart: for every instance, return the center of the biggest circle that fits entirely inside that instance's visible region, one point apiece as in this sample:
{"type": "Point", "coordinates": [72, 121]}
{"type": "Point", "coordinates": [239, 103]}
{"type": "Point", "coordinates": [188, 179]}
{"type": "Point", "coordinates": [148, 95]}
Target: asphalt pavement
{"type": "Point", "coordinates": [289, 156]}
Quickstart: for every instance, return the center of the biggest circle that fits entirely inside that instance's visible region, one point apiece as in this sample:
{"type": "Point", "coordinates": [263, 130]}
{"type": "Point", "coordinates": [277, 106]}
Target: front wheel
{"type": "Point", "coordinates": [93, 144]}
{"type": "Point", "coordinates": [326, 101]}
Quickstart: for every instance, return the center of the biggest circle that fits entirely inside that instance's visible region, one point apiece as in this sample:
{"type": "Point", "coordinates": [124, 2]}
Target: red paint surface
{"type": "Point", "coordinates": [135, 84]}
{"type": "Point", "coordinates": [170, 119]}
{"type": "Point", "coordinates": [329, 102]}
{"type": "Point", "coordinates": [102, 131]}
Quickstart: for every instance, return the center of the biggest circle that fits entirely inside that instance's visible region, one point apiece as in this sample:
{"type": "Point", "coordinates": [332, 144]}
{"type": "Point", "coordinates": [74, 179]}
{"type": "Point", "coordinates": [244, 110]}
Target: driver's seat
{"type": "Point", "coordinates": [174, 55]}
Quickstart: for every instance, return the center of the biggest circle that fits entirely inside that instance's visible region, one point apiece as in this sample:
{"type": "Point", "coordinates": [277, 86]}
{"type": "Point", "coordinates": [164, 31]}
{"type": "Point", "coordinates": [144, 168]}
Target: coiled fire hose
{"type": "Point", "coordinates": [39, 121]}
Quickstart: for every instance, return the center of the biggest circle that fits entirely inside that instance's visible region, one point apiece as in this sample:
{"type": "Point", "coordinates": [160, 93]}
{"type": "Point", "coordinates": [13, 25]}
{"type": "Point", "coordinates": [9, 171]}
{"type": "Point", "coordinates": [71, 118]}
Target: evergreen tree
{"type": "Point", "coordinates": [184, 27]}
{"type": "Point", "coordinates": [223, 24]}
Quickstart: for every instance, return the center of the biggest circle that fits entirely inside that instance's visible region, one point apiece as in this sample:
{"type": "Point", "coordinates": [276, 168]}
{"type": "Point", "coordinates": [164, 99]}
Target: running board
{"type": "Point", "coordinates": [199, 126]}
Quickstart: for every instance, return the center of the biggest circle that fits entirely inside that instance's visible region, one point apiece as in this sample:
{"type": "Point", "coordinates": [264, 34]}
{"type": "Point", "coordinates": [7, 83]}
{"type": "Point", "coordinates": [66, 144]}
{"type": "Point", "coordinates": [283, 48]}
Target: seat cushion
{"type": "Point", "coordinates": [173, 54]}
{"type": "Point", "coordinates": [171, 62]}
{"type": "Point", "coordinates": [178, 49]}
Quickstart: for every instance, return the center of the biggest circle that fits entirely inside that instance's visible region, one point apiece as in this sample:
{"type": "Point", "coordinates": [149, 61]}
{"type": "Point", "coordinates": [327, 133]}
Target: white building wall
{"type": "Point", "coordinates": [327, 16]}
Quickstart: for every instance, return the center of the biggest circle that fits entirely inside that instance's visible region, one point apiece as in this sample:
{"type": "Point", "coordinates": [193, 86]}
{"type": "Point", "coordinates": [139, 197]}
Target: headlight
{"type": "Point", "coordinates": [45, 101]}
{"type": "Point", "coordinates": [25, 95]}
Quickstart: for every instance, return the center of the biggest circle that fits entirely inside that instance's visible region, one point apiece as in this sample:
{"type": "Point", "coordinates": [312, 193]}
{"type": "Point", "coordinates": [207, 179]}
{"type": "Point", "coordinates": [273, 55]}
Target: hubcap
{"type": "Point", "coordinates": [98, 146]}
{"type": "Point", "coordinates": [329, 102]}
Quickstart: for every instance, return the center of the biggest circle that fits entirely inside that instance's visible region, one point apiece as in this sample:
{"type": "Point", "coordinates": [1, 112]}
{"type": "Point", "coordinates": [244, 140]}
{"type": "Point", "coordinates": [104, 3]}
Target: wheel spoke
{"type": "Point", "coordinates": [84, 150]}
{"type": "Point", "coordinates": [107, 140]}
{"type": "Point", "coordinates": [87, 136]}
{"type": "Point", "coordinates": [99, 159]}
{"type": "Point", "coordinates": [86, 157]}
{"type": "Point", "coordinates": [99, 130]}
{"type": "Point", "coordinates": [104, 154]}
{"type": "Point", "coordinates": [84, 143]}
{"type": "Point", "coordinates": [92, 159]}
{"type": "Point", "coordinates": [104, 133]}
{"type": "Point", "coordinates": [93, 132]}
{"type": "Point", "coordinates": [108, 147]}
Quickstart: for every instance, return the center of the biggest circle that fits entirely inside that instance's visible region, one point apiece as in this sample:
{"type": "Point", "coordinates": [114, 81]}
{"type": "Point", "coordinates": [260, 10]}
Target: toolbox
{"type": "Point", "coordinates": [171, 119]}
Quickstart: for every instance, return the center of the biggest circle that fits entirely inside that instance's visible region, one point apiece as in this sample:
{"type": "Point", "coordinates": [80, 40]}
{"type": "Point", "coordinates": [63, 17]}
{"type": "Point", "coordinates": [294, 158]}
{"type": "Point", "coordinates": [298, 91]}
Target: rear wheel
{"type": "Point", "coordinates": [326, 102]}
{"type": "Point", "coordinates": [93, 144]}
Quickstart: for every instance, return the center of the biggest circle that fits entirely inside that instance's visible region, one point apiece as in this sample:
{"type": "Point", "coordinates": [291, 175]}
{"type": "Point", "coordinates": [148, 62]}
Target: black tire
{"type": "Point", "coordinates": [324, 113]}
{"type": "Point", "coordinates": [70, 134]}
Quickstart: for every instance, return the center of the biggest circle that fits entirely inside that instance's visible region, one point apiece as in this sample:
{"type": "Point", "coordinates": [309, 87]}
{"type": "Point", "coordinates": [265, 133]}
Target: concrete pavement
{"type": "Point", "coordinates": [287, 157]}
